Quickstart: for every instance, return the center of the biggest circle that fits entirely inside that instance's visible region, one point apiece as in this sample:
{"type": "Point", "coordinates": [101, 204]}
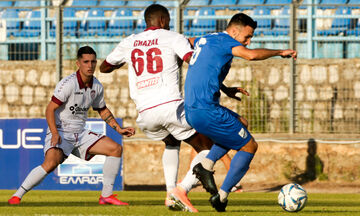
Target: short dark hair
{"type": "Point", "coordinates": [85, 50]}
{"type": "Point", "coordinates": [242, 20]}
{"type": "Point", "coordinates": [155, 9]}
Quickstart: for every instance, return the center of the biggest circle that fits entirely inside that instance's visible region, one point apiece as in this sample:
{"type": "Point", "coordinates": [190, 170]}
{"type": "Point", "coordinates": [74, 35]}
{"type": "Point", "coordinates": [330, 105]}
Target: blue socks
{"type": "Point", "coordinates": [216, 152]}
{"type": "Point", "coordinates": [238, 167]}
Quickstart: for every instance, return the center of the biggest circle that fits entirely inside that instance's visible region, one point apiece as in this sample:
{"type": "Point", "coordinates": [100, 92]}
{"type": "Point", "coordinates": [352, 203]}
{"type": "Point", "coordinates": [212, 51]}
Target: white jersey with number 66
{"type": "Point", "coordinates": [153, 58]}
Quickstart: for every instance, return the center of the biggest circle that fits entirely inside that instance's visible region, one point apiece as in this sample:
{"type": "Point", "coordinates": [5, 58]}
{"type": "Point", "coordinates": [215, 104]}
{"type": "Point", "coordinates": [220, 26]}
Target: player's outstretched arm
{"type": "Point", "coordinates": [261, 54]}
{"type": "Point", "coordinates": [50, 118]}
{"type": "Point", "coordinates": [232, 91]}
{"type": "Point", "coordinates": [105, 67]}
{"type": "Point", "coordinates": [109, 118]}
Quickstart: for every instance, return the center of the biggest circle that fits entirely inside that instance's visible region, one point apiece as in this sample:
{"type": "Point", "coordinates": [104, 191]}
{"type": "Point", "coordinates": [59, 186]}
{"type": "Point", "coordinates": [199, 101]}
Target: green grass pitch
{"type": "Point", "coordinates": [152, 203]}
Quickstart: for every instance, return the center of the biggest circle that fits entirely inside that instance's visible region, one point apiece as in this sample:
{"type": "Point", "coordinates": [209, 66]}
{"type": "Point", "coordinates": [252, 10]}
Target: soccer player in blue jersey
{"type": "Point", "coordinates": [208, 68]}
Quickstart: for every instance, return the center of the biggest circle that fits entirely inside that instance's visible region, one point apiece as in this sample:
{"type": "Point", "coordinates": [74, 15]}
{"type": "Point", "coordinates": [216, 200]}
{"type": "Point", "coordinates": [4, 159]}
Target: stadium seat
{"type": "Point", "coordinates": [5, 4]}
{"type": "Point", "coordinates": [263, 25]}
{"type": "Point", "coordinates": [356, 30]}
{"type": "Point", "coordinates": [222, 4]}
{"type": "Point", "coordinates": [110, 4]}
{"type": "Point", "coordinates": [249, 5]}
{"type": "Point", "coordinates": [31, 28]}
{"type": "Point", "coordinates": [193, 4]}
{"type": "Point", "coordinates": [338, 25]}
{"type": "Point", "coordinates": [354, 4]}
{"type": "Point", "coordinates": [331, 4]}
{"type": "Point", "coordinates": [69, 26]}
{"type": "Point", "coordinates": [167, 3]}
{"type": "Point", "coordinates": [12, 27]}
{"type": "Point", "coordinates": [282, 25]}
{"type": "Point", "coordinates": [276, 4]}
{"type": "Point", "coordinates": [26, 5]}
{"type": "Point", "coordinates": [117, 27]}
{"type": "Point", "coordinates": [83, 4]}
{"type": "Point", "coordinates": [93, 27]}
{"type": "Point", "coordinates": [139, 5]}
{"type": "Point", "coordinates": [203, 26]}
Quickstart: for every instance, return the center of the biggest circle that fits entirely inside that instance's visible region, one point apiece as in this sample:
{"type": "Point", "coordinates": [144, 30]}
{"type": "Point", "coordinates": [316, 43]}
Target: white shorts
{"type": "Point", "coordinates": [169, 118]}
{"type": "Point", "coordinates": [77, 144]}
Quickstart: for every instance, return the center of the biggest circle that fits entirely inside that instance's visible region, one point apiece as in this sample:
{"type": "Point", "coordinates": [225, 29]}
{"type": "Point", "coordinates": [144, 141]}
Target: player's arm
{"type": "Point", "coordinates": [109, 118]}
{"type": "Point", "coordinates": [106, 67]}
{"type": "Point", "coordinates": [261, 54]}
{"type": "Point", "coordinates": [50, 118]}
{"type": "Point", "coordinates": [231, 91]}
{"type": "Point", "coordinates": [192, 41]}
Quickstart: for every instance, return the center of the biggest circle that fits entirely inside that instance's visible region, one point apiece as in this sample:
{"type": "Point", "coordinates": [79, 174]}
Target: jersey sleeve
{"type": "Point", "coordinates": [182, 46]}
{"type": "Point", "coordinates": [117, 55]}
{"type": "Point", "coordinates": [62, 91]}
{"type": "Point", "coordinates": [99, 102]}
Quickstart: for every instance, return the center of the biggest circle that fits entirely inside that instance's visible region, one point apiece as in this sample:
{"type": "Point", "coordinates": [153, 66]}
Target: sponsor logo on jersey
{"type": "Point", "coordinates": [78, 93]}
{"type": "Point", "coordinates": [145, 42]}
{"type": "Point", "coordinates": [243, 133]}
{"type": "Point", "coordinates": [78, 110]}
{"type": "Point", "coordinates": [147, 83]}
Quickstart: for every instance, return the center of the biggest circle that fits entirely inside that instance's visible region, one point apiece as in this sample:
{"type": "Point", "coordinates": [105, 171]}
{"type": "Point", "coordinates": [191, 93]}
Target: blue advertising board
{"type": "Point", "coordinates": [21, 150]}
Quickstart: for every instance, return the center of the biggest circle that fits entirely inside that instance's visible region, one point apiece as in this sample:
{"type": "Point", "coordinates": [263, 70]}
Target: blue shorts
{"type": "Point", "coordinates": [219, 124]}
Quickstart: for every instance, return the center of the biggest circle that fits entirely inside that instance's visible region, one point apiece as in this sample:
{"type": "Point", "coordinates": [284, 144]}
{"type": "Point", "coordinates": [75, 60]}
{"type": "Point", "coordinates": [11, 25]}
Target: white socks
{"type": "Point", "coordinates": [33, 178]}
{"type": "Point", "coordinates": [190, 179]}
{"type": "Point", "coordinates": [223, 195]}
{"type": "Point", "coordinates": [170, 160]}
{"type": "Point", "coordinates": [208, 164]}
{"type": "Point", "coordinates": [110, 171]}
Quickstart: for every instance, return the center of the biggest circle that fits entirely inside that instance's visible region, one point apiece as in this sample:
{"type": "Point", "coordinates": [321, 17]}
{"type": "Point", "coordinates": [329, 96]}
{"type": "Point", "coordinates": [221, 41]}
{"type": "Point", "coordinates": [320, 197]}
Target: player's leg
{"type": "Point", "coordinates": [238, 167]}
{"type": "Point", "coordinates": [53, 157]}
{"type": "Point", "coordinates": [103, 145]}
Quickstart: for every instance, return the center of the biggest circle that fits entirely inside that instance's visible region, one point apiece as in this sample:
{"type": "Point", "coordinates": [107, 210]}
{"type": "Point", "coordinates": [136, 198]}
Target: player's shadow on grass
{"type": "Point", "coordinates": [314, 168]}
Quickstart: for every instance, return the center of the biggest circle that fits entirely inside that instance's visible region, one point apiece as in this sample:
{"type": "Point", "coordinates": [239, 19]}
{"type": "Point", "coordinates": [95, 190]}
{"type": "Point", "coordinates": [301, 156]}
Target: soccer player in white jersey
{"type": "Point", "coordinates": [66, 115]}
{"type": "Point", "coordinates": [154, 57]}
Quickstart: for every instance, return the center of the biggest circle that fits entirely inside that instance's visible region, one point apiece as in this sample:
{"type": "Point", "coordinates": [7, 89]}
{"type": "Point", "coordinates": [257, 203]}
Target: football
{"type": "Point", "coordinates": [292, 197]}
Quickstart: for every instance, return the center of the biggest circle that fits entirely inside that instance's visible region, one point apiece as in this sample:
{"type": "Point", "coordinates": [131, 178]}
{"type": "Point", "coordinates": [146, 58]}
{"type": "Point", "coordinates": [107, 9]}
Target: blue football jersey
{"type": "Point", "coordinates": [208, 67]}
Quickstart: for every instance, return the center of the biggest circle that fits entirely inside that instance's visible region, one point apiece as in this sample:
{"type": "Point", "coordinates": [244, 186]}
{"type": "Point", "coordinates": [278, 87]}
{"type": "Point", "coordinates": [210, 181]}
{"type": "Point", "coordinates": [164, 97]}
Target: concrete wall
{"type": "Point", "coordinates": [328, 93]}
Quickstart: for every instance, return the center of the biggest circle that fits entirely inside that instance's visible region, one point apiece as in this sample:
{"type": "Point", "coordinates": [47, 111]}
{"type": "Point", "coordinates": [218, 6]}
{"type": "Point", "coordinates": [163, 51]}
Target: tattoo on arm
{"type": "Point", "coordinates": [109, 118]}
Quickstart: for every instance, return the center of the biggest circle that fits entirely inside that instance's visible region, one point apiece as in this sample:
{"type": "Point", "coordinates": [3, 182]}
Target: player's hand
{"type": "Point", "coordinates": [232, 91]}
{"type": "Point", "coordinates": [128, 131]}
{"type": "Point", "coordinates": [289, 53]}
{"type": "Point", "coordinates": [55, 139]}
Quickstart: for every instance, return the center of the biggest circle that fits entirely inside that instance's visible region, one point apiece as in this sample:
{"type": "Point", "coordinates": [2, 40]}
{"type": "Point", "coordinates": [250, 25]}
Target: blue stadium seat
{"type": "Point", "coordinates": [167, 3]}
{"type": "Point", "coordinates": [69, 26]}
{"type": "Point", "coordinates": [355, 4]}
{"type": "Point", "coordinates": [12, 27]}
{"type": "Point", "coordinates": [249, 5]}
{"type": "Point", "coordinates": [5, 4]}
{"type": "Point", "coordinates": [276, 4]}
{"type": "Point", "coordinates": [339, 25]}
{"type": "Point", "coordinates": [83, 4]}
{"type": "Point", "coordinates": [282, 25]}
{"type": "Point", "coordinates": [330, 4]}
{"type": "Point", "coordinates": [263, 25]}
{"type": "Point", "coordinates": [24, 4]}
{"type": "Point", "coordinates": [223, 4]}
{"type": "Point", "coordinates": [192, 4]}
{"type": "Point", "coordinates": [31, 28]}
{"type": "Point", "coordinates": [139, 5]}
{"type": "Point", "coordinates": [113, 3]}
{"type": "Point", "coordinates": [119, 27]}
{"type": "Point", "coordinates": [203, 26]}
{"type": "Point", "coordinates": [356, 30]}
{"type": "Point", "coordinates": [93, 27]}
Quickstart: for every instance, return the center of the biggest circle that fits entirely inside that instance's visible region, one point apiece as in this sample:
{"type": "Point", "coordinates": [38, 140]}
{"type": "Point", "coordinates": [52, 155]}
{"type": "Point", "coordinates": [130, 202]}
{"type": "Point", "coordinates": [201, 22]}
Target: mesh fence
{"type": "Point", "coordinates": [327, 81]}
